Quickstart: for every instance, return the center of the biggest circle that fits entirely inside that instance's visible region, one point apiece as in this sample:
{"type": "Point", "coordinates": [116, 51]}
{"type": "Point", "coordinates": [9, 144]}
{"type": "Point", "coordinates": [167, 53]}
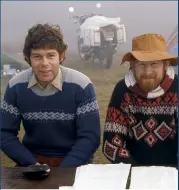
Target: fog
{"type": "Point", "coordinates": [137, 16]}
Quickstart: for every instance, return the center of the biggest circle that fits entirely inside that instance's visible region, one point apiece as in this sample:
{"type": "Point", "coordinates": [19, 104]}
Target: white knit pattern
{"type": "Point", "coordinates": [48, 116]}
{"type": "Point", "coordinates": [116, 128]}
{"type": "Point", "coordinates": [147, 110]}
{"type": "Point", "coordinates": [87, 108]}
{"type": "Point", "coordinates": [10, 109]}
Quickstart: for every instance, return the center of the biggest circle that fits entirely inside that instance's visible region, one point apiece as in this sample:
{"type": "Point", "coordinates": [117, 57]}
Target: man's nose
{"type": "Point", "coordinates": [147, 69]}
{"type": "Point", "coordinates": [44, 61]}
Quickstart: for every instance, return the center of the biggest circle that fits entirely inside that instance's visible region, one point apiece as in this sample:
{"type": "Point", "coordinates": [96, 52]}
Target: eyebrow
{"type": "Point", "coordinates": [51, 53]}
{"type": "Point", "coordinates": [35, 54]}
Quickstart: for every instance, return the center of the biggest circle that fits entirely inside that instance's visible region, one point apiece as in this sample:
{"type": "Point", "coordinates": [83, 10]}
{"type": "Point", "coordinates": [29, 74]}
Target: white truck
{"type": "Point", "coordinates": [98, 38]}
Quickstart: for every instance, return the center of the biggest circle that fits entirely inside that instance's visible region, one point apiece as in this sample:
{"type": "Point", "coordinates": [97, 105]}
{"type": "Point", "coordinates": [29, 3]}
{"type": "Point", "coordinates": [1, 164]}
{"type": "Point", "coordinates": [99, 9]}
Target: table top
{"type": "Point", "coordinates": [12, 178]}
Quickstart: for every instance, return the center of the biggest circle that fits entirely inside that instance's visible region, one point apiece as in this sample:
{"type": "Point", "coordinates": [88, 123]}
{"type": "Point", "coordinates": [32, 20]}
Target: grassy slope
{"type": "Point", "coordinates": [7, 59]}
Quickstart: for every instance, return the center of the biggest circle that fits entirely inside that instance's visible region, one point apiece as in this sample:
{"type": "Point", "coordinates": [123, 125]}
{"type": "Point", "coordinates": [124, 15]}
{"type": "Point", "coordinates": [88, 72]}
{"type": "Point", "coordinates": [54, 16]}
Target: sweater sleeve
{"type": "Point", "coordinates": [88, 129]}
{"type": "Point", "coordinates": [11, 120]}
{"type": "Point", "coordinates": [116, 131]}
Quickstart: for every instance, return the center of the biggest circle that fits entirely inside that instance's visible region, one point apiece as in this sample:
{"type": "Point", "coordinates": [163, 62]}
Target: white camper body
{"type": "Point", "coordinates": [90, 30]}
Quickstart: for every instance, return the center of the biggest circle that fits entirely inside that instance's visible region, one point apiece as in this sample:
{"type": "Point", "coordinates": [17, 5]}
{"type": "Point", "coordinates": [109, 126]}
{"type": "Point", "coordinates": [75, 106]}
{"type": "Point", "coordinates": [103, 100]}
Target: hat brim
{"type": "Point", "coordinates": [150, 56]}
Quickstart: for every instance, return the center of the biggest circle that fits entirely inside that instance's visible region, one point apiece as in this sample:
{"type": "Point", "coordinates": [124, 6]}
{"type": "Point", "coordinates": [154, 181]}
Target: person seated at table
{"type": "Point", "coordinates": [141, 126]}
{"type": "Point", "coordinates": [57, 106]}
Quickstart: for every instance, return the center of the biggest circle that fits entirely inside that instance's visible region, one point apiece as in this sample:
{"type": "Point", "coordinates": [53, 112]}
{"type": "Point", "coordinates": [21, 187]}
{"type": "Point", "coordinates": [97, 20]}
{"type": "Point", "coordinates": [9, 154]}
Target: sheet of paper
{"type": "Point", "coordinates": [154, 178]}
{"type": "Point", "coordinates": [66, 188]}
{"type": "Point", "coordinates": [102, 176]}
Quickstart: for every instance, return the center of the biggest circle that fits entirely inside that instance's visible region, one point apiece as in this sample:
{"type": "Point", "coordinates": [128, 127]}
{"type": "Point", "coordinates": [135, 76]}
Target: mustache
{"type": "Point", "coordinates": [148, 76]}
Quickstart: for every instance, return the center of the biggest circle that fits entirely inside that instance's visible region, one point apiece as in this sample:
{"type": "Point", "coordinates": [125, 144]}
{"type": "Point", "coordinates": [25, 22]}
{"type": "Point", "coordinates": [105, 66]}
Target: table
{"type": "Point", "coordinates": [12, 178]}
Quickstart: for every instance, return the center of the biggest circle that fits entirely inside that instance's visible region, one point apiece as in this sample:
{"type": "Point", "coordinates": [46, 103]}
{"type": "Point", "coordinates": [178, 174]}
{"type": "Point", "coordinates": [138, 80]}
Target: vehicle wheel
{"type": "Point", "coordinates": [106, 60]}
{"type": "Point", "coordinates": [106, 57]}
{"type": "Point", "coordinates": [80, 50]}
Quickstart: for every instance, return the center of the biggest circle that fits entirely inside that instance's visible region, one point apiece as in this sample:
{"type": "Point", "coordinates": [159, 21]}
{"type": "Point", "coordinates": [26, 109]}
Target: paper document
{"type": "Point", "coordinates": [102, 177]}
{"type": "Point", "coordinates": [66, 188]}
{"type": "Point", "coordinates": [154, 178]}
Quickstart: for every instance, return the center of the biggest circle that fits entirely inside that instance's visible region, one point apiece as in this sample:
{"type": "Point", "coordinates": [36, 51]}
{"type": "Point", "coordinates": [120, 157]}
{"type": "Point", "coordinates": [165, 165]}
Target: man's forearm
{"type": "Point", "coordinates": [82, 151]}
{"type": "Point", "coordinates": [16, 151]}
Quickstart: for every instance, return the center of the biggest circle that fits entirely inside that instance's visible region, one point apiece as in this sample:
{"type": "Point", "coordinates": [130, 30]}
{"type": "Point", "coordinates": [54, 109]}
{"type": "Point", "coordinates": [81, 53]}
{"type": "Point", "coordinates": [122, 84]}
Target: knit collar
{"type": "Point", "coordinates": [131, 83]}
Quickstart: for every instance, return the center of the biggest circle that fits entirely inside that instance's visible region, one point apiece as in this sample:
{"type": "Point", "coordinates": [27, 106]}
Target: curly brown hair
{"type": "Point", "coordinates": [44, 36]}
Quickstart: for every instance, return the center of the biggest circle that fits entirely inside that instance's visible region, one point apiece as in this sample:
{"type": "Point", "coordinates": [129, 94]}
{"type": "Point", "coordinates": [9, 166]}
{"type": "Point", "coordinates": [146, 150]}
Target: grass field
{"type": "Point", "coordinates": [104, 81]}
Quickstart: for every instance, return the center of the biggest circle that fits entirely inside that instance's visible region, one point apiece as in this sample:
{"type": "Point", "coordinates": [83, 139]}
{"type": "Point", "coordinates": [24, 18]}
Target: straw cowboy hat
{"type": "Point", "coordinates": [150, 47]}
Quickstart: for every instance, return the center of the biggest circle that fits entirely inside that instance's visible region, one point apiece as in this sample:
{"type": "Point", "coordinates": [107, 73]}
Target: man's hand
{"type": "Point", "coordinates": [37, 164]}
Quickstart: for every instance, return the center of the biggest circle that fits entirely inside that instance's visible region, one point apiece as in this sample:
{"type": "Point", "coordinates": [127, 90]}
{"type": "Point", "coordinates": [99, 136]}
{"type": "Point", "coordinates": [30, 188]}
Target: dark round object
{"type": "Point", "coordinates": [37, 172]}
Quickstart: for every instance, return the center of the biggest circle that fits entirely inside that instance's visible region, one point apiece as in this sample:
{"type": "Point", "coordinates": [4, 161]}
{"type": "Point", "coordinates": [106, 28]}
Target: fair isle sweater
{"type": "Point", "coordinates": [64, 124]}
{"type": "Point", "coordinates": [141, 128]}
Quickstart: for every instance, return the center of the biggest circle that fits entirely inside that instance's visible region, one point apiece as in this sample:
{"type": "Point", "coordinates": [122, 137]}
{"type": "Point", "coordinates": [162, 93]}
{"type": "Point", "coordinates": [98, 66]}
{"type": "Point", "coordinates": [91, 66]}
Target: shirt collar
{"type": "Point", "coordinates": [57, 82]}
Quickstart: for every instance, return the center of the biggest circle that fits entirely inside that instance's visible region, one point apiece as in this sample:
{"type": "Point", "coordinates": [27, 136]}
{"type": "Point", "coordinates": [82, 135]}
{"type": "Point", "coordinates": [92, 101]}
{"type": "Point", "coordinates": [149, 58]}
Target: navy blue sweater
{"type": "Point", "coordinates": [64, 124]}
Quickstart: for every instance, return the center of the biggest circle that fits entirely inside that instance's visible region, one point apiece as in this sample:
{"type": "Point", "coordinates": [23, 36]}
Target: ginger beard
{"type": "Point", "coordinates": [149, 81]}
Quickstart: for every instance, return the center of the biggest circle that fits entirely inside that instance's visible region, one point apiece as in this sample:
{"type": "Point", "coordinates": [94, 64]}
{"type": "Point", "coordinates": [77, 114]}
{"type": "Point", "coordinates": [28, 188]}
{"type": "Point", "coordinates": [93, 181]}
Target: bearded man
{"type": "Point", "coordinates": [141, 125]}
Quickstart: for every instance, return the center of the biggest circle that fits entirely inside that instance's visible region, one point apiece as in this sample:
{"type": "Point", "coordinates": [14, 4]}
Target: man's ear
{"type": "Point", "coordinates": [62, 57]}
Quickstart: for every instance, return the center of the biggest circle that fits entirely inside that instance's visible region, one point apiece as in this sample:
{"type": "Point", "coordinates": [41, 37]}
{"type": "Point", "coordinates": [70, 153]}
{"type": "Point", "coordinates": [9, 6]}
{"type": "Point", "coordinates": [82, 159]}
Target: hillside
{"type": "Point", "coordinates": [6, 59]}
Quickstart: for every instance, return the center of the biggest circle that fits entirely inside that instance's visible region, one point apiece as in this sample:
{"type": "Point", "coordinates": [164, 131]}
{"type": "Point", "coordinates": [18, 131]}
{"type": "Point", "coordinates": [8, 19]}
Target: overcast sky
{"type": "Point", "coordinates": [138, 17]}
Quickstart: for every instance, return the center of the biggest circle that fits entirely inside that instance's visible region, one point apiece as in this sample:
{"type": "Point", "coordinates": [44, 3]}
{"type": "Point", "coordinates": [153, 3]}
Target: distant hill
{"type": "Point", "coordinates": [6, 59]}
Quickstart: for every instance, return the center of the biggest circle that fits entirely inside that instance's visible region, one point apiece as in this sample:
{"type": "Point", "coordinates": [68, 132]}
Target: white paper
{"type": "Point", "coordinates": [102, 176]}
{"type": "Point", "coordinates": [66, 188]}
{"type": "Point", "coordinates": [154, 178]}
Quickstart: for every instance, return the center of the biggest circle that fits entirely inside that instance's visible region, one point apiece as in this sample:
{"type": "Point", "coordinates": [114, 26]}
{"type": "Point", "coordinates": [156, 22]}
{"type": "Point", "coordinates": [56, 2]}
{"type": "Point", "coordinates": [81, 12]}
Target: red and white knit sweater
{"type": "Point", "coordinates": [142, 128]}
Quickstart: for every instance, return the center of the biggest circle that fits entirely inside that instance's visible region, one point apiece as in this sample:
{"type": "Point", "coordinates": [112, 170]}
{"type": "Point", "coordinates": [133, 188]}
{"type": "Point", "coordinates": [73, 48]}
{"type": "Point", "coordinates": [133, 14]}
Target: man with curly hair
{"type": "Point", "coordinates": [56, 105]}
